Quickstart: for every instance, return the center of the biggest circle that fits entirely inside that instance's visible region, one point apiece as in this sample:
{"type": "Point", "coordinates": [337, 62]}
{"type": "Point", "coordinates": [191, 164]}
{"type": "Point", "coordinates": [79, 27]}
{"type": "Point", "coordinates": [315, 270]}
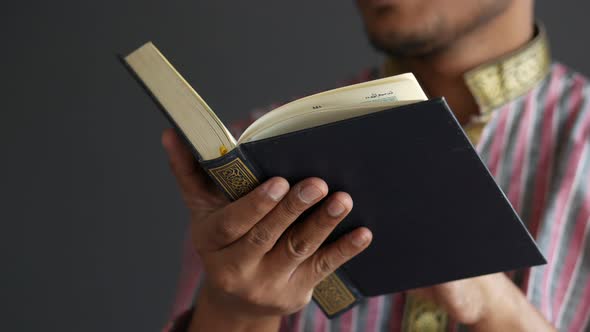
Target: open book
{"type": "Point", "coordinates": [211, 138]}
{"type": "Point", "coordinates": [435, 211]}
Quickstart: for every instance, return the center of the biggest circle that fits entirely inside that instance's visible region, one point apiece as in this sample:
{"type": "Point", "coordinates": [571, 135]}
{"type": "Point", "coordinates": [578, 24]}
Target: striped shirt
{"type": "Point", "coordinates": [537, 146]}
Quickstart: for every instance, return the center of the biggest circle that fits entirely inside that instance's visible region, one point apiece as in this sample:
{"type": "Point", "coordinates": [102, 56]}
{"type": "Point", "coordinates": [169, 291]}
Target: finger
{"type": "Point", "coordinates": [237, 218]}
{"type": "Point", "coordinates": [327, 259]}
{"type": "Point", "coordinates": [190, 176]}
{"type": "Point", "coordinates": [263, 236]}
{"type": "Point", "coordinates": [303, 239]}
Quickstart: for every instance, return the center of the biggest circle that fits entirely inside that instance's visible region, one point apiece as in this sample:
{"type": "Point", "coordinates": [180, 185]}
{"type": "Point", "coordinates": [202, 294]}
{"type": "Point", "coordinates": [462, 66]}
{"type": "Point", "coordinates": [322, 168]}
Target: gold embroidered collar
{"type": "Point", "coordinates": [496, 83]}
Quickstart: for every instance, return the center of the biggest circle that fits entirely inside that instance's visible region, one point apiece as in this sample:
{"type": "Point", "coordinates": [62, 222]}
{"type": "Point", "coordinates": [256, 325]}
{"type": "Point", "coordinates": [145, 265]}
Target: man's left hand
{"type": "Point", "coordinates": [487, 303]}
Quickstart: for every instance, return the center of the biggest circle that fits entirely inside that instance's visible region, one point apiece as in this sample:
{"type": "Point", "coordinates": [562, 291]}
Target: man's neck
{"type": "Point", "coordinates": [441, 74]}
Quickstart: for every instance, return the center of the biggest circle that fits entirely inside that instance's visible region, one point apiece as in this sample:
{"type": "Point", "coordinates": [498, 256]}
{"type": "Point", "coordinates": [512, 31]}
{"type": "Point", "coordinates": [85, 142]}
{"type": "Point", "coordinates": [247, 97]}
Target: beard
{"type": "Point", "coordinates": [434, 33]}
{"type": "Point", "coordinates": [418, 44]}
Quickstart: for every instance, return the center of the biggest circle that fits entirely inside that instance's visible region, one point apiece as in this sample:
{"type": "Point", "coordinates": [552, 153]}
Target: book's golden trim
{"type": "Point", "coordinates": [332, 295]}
{"type": "Point", "coordinates": [235, 178]}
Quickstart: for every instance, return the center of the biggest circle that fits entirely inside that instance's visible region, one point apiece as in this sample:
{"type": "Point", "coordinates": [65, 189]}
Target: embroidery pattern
{"type": "Point", "coordinates": [235, 178]}
{"type": "Point", "coordinates": [424, 316]}
{"type": "Point", "coordinates": [495, 84]}
{"type": "Point", "coordinates": [332, 295]}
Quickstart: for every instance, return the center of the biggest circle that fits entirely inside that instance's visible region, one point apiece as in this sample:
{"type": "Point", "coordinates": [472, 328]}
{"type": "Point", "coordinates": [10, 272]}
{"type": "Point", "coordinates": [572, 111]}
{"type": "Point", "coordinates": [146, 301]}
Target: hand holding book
{"type": "Point", "coordinates": [251, 301]}
{"type": "Point", "coordinates": [417, 181]}
{"type": "Point", "coordinates": [258, 264]}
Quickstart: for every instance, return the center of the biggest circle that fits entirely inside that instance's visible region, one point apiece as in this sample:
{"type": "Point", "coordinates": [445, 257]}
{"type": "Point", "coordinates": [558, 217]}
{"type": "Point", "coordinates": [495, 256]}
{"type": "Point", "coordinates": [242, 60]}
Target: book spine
{"type": "Point", "coordinates": [236, 176]}
{"type": "Point", "coordinates": [233, 173]}
{"type": "Point", "coordinates": [336, 294]}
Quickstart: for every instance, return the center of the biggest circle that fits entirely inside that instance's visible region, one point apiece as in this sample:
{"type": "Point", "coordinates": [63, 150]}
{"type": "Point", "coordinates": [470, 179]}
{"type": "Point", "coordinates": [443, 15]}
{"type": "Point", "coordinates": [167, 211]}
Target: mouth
{"type": "Point", "coordinates": [376, 4]}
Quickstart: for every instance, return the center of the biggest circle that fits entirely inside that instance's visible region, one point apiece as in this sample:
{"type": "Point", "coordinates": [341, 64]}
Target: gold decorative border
{"type": "Point", "coordinates": [235, 178]}
{"type": "Point", "coordinates": [332, 295]}
{"type": "Point", "coordinates": [496, 83]}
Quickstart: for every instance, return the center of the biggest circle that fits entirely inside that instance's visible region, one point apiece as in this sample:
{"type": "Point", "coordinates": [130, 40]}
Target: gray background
{"type": "Point", "coordinates": [92, 223]}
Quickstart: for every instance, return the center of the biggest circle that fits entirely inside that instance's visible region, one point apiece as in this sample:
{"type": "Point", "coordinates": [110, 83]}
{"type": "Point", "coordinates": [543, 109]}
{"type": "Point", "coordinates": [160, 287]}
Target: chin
{"type": "Point", "coordinates": [395, 15]}
{"type": "Point", "coordinates": [421, 27]}
{"type": "Point", "coordinates": [401, 35]}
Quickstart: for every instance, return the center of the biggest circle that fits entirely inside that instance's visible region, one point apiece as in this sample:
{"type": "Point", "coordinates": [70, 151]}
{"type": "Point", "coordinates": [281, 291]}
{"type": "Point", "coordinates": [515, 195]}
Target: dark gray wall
{"type": "Point", "coordinates": [92, 221]}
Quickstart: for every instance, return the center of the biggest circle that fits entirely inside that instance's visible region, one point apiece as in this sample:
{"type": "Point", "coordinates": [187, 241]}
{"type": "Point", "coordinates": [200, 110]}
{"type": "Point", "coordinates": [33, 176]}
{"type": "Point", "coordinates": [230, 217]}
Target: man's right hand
{"type": "Point", "coordinates": [259, 265]}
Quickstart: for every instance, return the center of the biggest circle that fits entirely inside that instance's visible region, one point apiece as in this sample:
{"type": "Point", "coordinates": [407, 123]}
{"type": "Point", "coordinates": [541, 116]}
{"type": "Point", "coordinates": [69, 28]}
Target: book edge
{"type": "Point", "coordinates": [144, 87]}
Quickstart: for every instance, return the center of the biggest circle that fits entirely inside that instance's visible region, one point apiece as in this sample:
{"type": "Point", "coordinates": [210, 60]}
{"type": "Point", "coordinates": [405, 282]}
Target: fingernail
{"type": "Point", "coordinates": [277, 190]}
{"type": "Point", "coordinates": [335, 209]}
{"type": "Point", "coordinates": [309, 193]}
{"type": "Point", "coordinates": [360, 240]}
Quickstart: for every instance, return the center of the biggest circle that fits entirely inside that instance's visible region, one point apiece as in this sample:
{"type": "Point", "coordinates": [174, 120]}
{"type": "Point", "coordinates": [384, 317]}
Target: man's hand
{"type": "Point", "coordinates": [259, 265]}
{"type": "Point", "coordinates": [487, 303]}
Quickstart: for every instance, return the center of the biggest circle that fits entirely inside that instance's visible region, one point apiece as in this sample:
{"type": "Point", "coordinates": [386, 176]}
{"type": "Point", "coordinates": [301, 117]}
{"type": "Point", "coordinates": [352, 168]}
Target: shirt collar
{"type": "Point", "coordinates": [501, 80]}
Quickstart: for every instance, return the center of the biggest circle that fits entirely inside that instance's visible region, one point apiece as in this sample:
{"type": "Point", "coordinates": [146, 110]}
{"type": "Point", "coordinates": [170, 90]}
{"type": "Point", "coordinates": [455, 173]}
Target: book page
{"type": "Point", "coordinates": [181, 102]}
{"type": "Point", "coordinates": [335, 105]}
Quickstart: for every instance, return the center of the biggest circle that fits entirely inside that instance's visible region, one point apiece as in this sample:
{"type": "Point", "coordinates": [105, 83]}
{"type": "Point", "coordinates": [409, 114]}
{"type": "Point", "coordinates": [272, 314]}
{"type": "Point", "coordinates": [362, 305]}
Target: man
{"type": "Point", "coordinates": [530, 120]}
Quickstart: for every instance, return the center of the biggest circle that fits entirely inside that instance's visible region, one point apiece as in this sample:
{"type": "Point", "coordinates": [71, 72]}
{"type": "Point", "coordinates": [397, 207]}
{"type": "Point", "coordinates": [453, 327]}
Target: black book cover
{"type": "Point", "coordinates": [417, 183]}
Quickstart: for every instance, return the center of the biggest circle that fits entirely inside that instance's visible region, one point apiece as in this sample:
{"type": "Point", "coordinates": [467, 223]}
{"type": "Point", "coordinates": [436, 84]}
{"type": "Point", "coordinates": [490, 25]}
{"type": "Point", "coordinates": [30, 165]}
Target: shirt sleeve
{"type": "Point", "coordinates": [190, 278]}
{"type": "Point", "coordinates": [561, 289]}
{"type": "Point", "coordinates": [567, 277]}
{"type": "Point", "coordinates": [181, 323]}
